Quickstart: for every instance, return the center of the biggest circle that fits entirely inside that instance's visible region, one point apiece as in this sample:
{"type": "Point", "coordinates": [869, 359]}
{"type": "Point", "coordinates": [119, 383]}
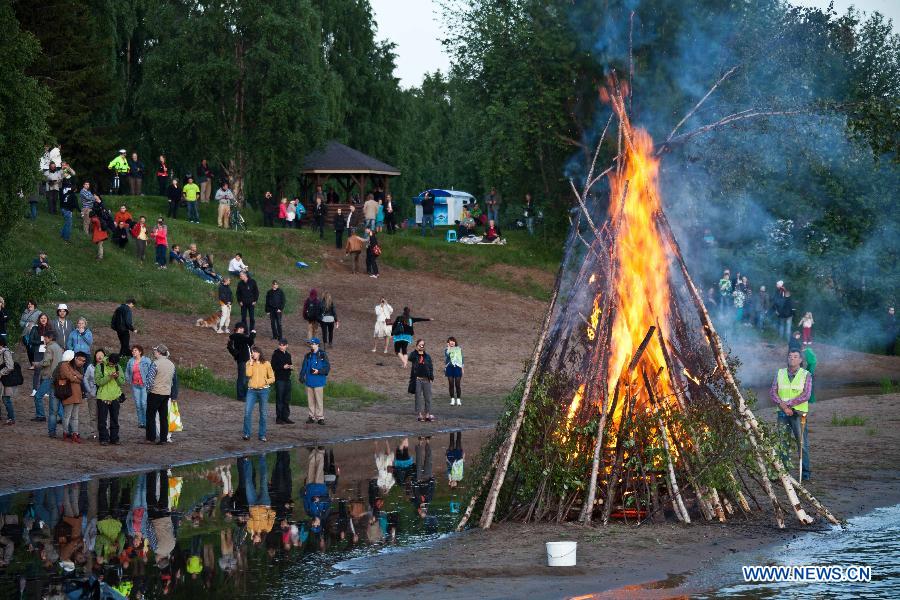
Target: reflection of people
{"type": "Point", "coordinates": [423, 485]}
{"type": "Point", "coordinates": [316, 501]}
{"type": "Point", "coordinates": [384, 464]}
{"type": "Point", "coordinates": [790, 391]}
{"type": "Point", "coordinates": [455, 458]}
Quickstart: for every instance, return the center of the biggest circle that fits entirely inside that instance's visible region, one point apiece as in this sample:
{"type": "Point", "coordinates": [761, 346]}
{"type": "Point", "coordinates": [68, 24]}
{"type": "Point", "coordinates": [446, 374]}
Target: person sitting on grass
{"type": "Point", "coordinates": [175, 254]}
{"type": "Point", "coordinates": [40, 263]}
{"type": "Point", "coordinates": [491, 232]}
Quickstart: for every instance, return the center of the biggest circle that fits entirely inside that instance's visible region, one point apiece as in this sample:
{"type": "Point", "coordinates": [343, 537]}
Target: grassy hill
{"type": "Point", "coordinates": [525, 266]}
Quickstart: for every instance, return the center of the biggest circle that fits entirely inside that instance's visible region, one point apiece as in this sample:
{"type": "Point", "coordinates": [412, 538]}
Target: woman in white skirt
{"type": "Point", "coordinates": [383, 312]}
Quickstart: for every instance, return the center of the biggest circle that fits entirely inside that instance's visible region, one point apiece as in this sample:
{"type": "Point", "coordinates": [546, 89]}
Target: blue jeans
{"type": "Point", "coordinates": [241, 383]}
{"type": "Point", "coordinates": [140, 404]}
{"type": "Point", "coordinates": [792, 425]}
{"type": "Point", "coordinates": [254, 397]}
{"type": "Point", "coordinates": [66, 231]}
{"type": "Point", "coordinates": [494, 214]}
{"type": "Point", "coordinates": [161, 255]}
{"type": "Point", "coordinates": [54, 406]}
{"type": "Point", "coordinates": [262, 497]}
{"type": "Point", "coordinates": [784, 327]}
{"type": "Point", "coordinates": [44, 387]}
{"type": "Point", "coordinates": [427, 221]}
{"type": "Point", "coordinates": [10, 413]}
{"type": "Point", "coordinates": [32, 210]}
{"type": "Point", "coordinates": [370, 224]}
{"type": "Point", "coordinates": [193, 213]}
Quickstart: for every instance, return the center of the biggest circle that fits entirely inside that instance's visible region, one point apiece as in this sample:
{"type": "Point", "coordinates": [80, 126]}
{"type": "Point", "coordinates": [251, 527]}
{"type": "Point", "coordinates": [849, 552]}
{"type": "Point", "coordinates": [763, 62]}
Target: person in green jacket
{"type": "Point", "coordinates": [110, 539]}
{"type": "Point", "coordinates": [108, 378]}
{"type": "Point", "coordinates": [809, 358]}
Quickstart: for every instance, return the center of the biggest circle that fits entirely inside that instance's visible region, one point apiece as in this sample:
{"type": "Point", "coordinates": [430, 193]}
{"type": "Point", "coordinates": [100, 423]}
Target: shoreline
{"type": "Point", "coordinates": [854, 470]}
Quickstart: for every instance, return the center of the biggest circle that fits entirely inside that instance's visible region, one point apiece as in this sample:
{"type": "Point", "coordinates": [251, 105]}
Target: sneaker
{"type": "Point", "coordinates": [39, 419]}
{"type": "Point", "coordinates": [279, 422]}
{"type": "Point", "coordinates": [33, 393]}
{"type": "Point", "coordinates": [65, 436]}
{"type": "Point", "coordinates": [459, 401]}
{"type": "Point", "coordinates": [102, 443]}
{"type": "Point", "coordinates": [310, 420]}
{"type": "Point", "coordinates": [452, 401]}
{"type": "Point", "coordinates": [287, 422]}
{"type": "Point", "coordinates": [245, 437]}
{"type": "Point", "coordinates": [263, 439]}
{"type": "Point", "coordinates": [10, 421]}
{"type": "Point", "coordinates": [374, 350]}
{"type": "Point", "coordinates": [321, 421]}
{"type": "Point", "coordinates": [76, 438]}
{"type": "Point", "coordinates": [53, 435]}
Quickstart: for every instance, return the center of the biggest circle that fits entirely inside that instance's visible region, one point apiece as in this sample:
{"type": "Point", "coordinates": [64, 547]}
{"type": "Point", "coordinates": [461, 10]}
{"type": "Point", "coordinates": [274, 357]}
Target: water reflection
{"type": "Point", "coordinates": [271, 525]}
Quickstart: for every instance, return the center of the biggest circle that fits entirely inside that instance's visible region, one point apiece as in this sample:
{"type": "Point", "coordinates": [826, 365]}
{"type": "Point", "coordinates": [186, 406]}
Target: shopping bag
{"type": "Point", "coordinates": [174, 417]}
{"type": "Point", "coordinates": [175, 484]}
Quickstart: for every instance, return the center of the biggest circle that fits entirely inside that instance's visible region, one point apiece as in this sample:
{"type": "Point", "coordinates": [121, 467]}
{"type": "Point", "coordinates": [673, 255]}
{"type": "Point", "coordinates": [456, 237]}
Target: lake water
{"type": "Point", "coordinates": [871, 540]}
{"type": "Point", "coordinates": [263, 526]}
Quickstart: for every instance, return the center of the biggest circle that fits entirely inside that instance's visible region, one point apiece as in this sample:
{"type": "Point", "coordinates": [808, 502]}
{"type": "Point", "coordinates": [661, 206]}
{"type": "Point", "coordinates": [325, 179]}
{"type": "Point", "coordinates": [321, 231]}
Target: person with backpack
{"type": "Point", "coordinates": [123, 324]}
{"type": "Point", "coordinates": [259, 379]}
{"type": "Point", "coordinates": [403, 332]}
{"type": "Point", "coordinates": [10, 378]}
{"type": "Point", "coordinates": [312, 313]}
{"type": "Point", "coordinates": [69, 375]}
{"type": "Point", "coordinates": [275, 308]}
{"type": "Point", "coordinates": [248, 296]}
{"type": "Point", "coordinates": [314, 375]}
{"type": "Point", "coordinates": [239, 344]}
{"type": "Point", "coordinates": [107, 379]}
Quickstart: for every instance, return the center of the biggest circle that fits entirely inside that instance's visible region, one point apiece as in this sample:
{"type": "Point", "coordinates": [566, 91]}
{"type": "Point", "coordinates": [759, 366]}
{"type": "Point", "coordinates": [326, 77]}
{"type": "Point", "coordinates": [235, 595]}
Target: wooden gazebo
{"type": "Point", "coordinates": [351, 169]}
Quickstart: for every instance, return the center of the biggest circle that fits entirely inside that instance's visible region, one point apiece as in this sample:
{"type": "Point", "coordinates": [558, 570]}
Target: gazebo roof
{"type": "Point", "coordinates": [337, 158]}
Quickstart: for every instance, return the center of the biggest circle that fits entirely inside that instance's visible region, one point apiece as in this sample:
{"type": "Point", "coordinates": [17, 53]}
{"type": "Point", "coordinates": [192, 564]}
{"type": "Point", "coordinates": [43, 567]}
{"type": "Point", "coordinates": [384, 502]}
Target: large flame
{"type": "Point", "coordinates": [641, 286]}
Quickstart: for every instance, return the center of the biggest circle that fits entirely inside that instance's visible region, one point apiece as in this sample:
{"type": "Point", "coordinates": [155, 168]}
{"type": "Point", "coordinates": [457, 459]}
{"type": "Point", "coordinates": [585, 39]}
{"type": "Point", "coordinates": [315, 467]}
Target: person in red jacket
{"type": "Point", "coordinates": [98, 234]}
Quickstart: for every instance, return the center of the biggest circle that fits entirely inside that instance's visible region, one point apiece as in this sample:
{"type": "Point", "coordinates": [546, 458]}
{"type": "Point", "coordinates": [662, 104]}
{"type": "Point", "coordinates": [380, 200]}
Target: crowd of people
{"type": "Point", "coordinates": [138, 534]}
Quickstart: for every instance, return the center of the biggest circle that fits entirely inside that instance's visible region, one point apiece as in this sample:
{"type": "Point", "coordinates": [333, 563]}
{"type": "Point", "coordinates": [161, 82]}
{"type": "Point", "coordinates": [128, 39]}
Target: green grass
{"type": "Point", "coordinates": [340, 395]}
{"type": "Point", "coordinates": [851, 421]}
{"type": "Point", "coordinates": [889, 387]}
{"type": "Point", "coordinates": [478, 264]}
{"type": "Point", "coordinates": [269, 253]}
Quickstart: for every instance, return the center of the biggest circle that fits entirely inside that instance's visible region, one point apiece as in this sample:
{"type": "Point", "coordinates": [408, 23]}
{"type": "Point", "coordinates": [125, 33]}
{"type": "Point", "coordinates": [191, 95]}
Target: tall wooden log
{"type": "Point", "coordinates": [490, 504]}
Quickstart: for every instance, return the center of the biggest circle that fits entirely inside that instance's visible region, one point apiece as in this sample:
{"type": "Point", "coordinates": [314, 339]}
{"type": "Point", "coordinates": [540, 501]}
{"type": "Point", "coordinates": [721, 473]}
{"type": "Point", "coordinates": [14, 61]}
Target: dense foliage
{"type": "Point", "coordinates": [255, 85]}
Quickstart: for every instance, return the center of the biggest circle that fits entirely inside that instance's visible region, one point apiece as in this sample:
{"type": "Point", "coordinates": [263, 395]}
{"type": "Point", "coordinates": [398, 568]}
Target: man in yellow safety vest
{"type": "Point", "coordinates": [119, 167]}
{"type": "Point", "coordinates": [790, 393]}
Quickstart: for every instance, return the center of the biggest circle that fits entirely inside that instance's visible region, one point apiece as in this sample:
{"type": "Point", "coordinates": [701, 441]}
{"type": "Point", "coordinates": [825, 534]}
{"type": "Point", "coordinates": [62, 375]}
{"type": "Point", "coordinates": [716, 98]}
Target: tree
{"type": "Point", "coordinates": [244, 81]}
{"type": "Point", "coordinates": [24, 108]}
{"type": "Point", "coordinates": [76, 63]}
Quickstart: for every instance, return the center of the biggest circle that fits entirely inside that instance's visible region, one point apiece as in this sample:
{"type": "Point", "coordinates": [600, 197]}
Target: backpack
{"type": "Point", "coordinates": [116, 321]}
{"type": "Point", "coordinates": [313, 311]}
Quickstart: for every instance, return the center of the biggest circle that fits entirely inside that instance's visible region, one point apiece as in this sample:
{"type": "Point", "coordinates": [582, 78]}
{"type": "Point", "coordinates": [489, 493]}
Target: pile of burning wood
{"type": "Point", "coordinates": [630, 388]}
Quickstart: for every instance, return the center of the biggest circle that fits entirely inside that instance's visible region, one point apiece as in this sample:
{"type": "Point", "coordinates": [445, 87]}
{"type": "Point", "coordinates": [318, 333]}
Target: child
{"type": "Point", "coordinates": [300, 210]}
{"type": "Point", "coordinates": [290, 215]}
{"type": "Point", "coordinates": [795, 344]}
{"type": "Point", "coordinates": [806, 324]}
{"type": "Point", "coordinates": [282, 212]}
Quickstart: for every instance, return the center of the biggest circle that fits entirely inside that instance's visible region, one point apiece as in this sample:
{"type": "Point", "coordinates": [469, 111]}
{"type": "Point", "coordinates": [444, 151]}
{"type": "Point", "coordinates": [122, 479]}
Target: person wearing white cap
{"type": "Point", "coordinates": [119, 167]}
{"type": "Point", "coordinates": [62, 326]}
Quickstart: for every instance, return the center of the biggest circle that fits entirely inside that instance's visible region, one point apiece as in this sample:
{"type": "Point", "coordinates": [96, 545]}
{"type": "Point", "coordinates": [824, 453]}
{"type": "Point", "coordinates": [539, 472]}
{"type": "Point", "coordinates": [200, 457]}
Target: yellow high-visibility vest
{"type": "Point", "coordinates": [788, 388]}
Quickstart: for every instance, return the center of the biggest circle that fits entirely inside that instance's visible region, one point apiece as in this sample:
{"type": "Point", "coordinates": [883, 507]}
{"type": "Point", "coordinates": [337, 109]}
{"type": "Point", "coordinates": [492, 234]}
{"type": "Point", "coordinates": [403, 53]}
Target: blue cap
{"type": "Point", "coordinates": [315, 341]}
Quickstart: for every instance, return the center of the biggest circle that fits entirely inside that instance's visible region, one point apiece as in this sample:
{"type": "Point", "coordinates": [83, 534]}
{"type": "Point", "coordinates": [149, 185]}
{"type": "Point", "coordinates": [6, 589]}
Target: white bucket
{"type": "Point", "coordinates": [561, 554]}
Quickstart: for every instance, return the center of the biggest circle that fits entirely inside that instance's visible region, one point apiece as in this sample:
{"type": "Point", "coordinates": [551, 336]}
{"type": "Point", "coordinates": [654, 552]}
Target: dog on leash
{"type": "Point", "coordinates": [211, 321]}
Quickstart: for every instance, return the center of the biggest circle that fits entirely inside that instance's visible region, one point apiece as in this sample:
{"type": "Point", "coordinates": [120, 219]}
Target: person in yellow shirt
{"type": "Point", "coordinates": [191, 195]}
{"type": "Point", "coordinates": [259, 378]}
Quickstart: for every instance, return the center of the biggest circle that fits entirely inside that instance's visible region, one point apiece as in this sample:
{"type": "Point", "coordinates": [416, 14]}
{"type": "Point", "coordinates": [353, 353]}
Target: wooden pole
{"type": "Point", "coordinates": [506, 451]}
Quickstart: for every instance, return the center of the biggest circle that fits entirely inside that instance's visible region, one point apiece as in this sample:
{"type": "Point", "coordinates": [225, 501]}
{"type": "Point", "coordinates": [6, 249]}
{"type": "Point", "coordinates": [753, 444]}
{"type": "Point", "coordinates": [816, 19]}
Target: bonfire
{"type": "Point", "coordinates": [630, 407]}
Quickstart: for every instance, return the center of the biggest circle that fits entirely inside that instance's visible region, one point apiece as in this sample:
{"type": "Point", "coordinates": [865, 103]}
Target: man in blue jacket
{"type": "Point", "coordinates": [314, 374]}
